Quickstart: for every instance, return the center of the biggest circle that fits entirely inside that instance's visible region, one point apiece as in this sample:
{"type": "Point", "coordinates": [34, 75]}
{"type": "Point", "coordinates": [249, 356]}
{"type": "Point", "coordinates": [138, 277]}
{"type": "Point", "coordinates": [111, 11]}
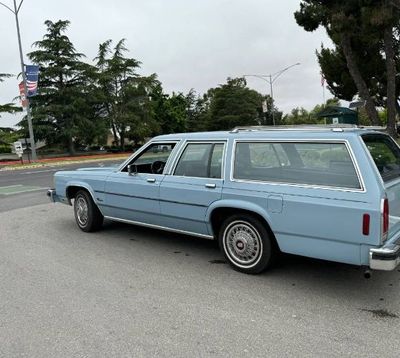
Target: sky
{"type": "Point", "coordinates": [188, 43]}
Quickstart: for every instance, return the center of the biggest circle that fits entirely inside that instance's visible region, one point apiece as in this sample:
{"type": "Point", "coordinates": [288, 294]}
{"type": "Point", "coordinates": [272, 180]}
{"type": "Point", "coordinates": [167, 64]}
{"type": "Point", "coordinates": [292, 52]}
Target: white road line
{"type": "Point", "coordinates": [10, 186]}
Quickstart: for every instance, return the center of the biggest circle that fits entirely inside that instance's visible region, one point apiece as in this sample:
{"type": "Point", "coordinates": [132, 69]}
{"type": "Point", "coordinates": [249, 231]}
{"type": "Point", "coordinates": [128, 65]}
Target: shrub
{"type": "Point", "coordinates": [5, 149]}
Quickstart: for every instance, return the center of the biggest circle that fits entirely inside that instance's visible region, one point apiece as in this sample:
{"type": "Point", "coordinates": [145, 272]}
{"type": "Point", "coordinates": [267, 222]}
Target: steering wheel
{"type": "Point", "coordinates": [157, 167]}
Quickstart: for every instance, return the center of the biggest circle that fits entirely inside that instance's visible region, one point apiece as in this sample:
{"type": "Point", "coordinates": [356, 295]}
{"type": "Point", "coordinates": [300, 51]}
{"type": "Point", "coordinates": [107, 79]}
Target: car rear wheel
{"type": "Point", "coordinates": [87, 214]}
{"type": "Point", "coordinates": [246, 244]}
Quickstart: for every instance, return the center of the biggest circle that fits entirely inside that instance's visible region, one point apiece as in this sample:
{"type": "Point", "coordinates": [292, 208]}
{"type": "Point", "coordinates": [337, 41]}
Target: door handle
{"type": "Point", "coordinates": [151, 180]}
{"type": "Point", "coordinates": [210, 186]}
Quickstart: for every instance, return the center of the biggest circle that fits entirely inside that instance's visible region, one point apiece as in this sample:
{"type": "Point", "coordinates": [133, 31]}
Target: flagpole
{"type": "Point", "coordinates": [21, 56]}
{"type": "Point", "coordinates": [28, 110]}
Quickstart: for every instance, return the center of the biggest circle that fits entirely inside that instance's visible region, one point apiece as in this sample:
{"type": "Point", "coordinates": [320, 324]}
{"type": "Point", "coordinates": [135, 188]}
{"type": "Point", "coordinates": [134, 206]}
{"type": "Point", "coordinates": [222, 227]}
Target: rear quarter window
{"type": "Point", "coordinates": [385, 153]}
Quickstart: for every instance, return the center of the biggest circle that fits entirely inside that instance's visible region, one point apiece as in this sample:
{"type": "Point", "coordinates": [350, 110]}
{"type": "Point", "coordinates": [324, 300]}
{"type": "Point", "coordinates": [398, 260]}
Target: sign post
{"type": "Point", "coordinates": [19, 150]}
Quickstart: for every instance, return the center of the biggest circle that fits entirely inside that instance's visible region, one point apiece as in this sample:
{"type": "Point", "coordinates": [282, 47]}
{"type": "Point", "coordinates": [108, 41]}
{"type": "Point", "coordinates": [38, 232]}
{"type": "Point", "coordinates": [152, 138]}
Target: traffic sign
{"type": "Point", "coordinates": [18, 148]}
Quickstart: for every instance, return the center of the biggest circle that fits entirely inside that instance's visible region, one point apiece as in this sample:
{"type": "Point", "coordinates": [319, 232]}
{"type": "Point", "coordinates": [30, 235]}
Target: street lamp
{"type": "Point", "coordinates": [271, 78]}
{"type": "Point", "coordinates": [15, 11]}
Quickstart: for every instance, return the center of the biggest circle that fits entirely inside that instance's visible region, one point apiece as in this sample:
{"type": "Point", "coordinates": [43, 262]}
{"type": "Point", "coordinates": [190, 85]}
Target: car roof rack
{"type": "Point", "coordinates": [304, 127]}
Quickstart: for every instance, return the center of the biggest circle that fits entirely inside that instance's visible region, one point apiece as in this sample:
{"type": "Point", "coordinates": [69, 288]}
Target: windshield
{"type": "Point", "coordinates": [385, 153]}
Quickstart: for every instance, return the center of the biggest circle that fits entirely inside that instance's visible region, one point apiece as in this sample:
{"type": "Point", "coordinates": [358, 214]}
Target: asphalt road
{"type": "Point", "coordinates": [128, 291]}
{"type": "Point", "coordinates": [26, 188]}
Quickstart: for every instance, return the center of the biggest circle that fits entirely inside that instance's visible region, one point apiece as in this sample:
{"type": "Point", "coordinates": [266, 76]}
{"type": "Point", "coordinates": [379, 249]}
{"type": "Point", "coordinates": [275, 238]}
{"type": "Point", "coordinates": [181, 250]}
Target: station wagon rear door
{"type": "Point", "coordinates": [194, 183]}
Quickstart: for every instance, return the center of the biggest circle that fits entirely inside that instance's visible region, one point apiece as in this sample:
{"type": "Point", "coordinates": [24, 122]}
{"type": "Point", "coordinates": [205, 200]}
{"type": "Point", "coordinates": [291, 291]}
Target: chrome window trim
{"type": "Point", "coordinates": [309, 186]}
{"type": "Point", "coordinates": [375, 168]}
{"type": "Point", "coordinates": [158, 227]}
{"type": "Point", "coordinates": [144, 147]}
{"type": "Point", "coordinates": [194, 141]}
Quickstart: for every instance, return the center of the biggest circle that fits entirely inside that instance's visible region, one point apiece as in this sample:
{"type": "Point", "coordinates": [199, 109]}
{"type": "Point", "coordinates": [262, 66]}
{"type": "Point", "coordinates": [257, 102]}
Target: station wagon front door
{"type": "Point", "coordinates": [133, 192]}
{"type": "Point", "coordinates": [194, 184]}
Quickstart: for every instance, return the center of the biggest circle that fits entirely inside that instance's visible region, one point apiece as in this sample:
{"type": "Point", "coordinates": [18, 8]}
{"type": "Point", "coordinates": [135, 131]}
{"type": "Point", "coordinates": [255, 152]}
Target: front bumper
{"type": "Point", "coordinates": [51, 193]}
{"type": "Point", "coordinates": [386, 258]}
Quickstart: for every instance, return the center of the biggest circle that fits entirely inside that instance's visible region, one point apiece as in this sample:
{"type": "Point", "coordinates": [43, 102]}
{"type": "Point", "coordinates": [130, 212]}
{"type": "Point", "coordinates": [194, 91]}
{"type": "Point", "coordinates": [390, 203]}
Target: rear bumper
{"type": "Point", "coordinates": [386, 258]}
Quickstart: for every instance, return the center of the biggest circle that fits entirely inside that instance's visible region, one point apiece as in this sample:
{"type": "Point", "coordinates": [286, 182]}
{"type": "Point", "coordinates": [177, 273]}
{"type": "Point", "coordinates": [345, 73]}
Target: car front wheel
{"type": "Point", "coordinates": [246, 244]}
{"type": "Point", "coordinates": [87, 214]}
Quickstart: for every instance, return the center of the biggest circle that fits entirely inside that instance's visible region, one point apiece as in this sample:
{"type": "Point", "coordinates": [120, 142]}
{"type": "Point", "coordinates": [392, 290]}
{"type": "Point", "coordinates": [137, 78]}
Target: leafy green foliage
{"type": "Point", "coordinates": [302, 116]}
{"type": "Point", "coordinates": [65, 108]}
{"type": "Point", "coordinates": [79, 104]}
{"type": "Point", "coordinates": [170, 112]}
{"type": "Point", "coordinates": [366, 38]}
{"type": "Point", "coordinates": [234, 104]}
{"type": "Point", "coordinates": [7, 137]}
{"type": "Point", "coordinates": [126, 96]}
{"type": "Point", "coordinates": [8, 107]}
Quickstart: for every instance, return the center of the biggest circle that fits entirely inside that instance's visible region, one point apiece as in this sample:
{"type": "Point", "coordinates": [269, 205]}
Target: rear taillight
{"type": "Point", "coordinates": [365, 226]}
{"type": "Point", "coordinates": [385, 218]}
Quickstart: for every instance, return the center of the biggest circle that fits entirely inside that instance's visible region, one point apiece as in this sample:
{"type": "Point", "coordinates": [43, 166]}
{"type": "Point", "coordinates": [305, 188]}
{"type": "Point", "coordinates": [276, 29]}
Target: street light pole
{"type": "Point", "coordinates": [271, 78]}
{"type": "Point", "coordinates": [28, 111]}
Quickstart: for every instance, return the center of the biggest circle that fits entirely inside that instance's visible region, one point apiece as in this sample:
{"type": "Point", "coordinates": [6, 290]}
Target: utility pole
{"type": "Point", "coordinates": [28, 111]}
{"type": "Point", "coordinates": [271, 78]}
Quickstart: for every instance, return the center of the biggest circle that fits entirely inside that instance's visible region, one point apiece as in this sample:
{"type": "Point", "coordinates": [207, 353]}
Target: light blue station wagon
{"type": "Point", "coordinates": [322, 192]}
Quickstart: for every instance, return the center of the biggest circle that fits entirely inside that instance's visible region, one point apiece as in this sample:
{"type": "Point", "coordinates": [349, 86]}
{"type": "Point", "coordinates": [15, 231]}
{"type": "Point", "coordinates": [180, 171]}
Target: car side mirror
{"type": "Point", "coordinates": [132, 169]}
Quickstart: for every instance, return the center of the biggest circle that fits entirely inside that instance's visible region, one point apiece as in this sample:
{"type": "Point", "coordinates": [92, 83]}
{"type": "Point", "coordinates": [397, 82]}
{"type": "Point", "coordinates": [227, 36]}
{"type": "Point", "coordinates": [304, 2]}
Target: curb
{"type": "Point", "coordinates": [60, 163]}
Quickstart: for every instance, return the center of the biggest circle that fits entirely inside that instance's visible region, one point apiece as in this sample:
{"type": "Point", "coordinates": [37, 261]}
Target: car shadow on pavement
{"type": "Point", "coordinates": [312, 278]}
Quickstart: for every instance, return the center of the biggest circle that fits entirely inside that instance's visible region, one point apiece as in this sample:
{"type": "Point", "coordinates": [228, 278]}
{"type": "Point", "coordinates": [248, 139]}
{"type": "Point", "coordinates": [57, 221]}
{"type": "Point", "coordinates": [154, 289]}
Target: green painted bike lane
{"type": "Point", "coordinates": [19, 188]}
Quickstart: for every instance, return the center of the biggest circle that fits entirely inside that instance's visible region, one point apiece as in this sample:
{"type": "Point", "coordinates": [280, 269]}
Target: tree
{"type": "Point", "coordinates": [360, 31]}
{"type": "Point", "coordinates": [8, 107]}
{"type": "Point", "coordinates": [64, 108]}
{"type": "Point", "coordinates": [125, 95]}
{"type": "Point", "coordinates": [234, 104]}
{"type": "Point", "coordinates": [170, 111]}
{"type": "Point", "coordinates": [198, 111]}
{"type": "Point", "coordinates": [340, 83]}
{"type": "Point", "coordinates": [302, 116]}
{"type": "Point", "coordinates": [267, 118]}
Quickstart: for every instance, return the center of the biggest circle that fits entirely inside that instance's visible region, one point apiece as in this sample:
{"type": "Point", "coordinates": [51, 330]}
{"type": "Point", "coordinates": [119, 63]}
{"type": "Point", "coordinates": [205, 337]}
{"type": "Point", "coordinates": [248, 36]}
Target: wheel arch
{"type": "Point", "coordinates": [218, 212]}
{"type": "Point", "coordinates": [72, 189]}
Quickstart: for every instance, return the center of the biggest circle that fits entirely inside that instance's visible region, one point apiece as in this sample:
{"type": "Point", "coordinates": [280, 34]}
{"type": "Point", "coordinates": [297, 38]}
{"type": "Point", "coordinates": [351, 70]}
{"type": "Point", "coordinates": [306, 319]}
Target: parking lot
{"type": "Point", "coordinates": [130, 291]}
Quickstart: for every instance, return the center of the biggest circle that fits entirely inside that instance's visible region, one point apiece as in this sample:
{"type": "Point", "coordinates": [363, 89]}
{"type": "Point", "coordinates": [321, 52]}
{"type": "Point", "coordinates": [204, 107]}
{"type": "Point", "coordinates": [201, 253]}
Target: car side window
{"type": "Point", "coordinates": [153, 159]}
{"type": "Point", "coordinates": [201, 160]}
{"type": "Point", "coordinates": [320, 164]}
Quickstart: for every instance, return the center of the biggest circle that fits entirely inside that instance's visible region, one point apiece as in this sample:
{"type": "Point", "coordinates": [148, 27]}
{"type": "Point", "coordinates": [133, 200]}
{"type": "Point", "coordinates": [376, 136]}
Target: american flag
{"type": "Point", "coordinates": [32, 86]}
{"type": "Point", "coordinates": [32, 78]}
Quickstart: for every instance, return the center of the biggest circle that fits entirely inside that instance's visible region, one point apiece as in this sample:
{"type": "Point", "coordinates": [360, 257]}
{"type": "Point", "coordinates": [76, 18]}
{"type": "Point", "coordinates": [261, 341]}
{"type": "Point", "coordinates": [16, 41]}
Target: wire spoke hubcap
{"type": "Point", "coordinates": [243, 243]}
{"type": "Point", "coordinates": [81, 209]}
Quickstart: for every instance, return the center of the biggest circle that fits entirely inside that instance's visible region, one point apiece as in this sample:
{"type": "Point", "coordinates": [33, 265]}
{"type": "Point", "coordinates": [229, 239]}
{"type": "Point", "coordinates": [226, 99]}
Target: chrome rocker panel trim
{"type": "Point", "coordinates": [158, 227]}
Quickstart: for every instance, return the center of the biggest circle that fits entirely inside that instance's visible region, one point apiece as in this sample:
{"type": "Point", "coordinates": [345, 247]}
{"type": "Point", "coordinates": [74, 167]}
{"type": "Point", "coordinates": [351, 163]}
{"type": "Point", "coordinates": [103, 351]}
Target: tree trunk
{"type": "Point", "coordinates": [71, 148]}
{"type": "Point", "coordinates": [358, 80]}
{"type": "Point", "coordinates": [114, 130]}
{"type": "Point", "coordinates": [122, 140]}
{"type": "Point", "coordinates": [391, 81]}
